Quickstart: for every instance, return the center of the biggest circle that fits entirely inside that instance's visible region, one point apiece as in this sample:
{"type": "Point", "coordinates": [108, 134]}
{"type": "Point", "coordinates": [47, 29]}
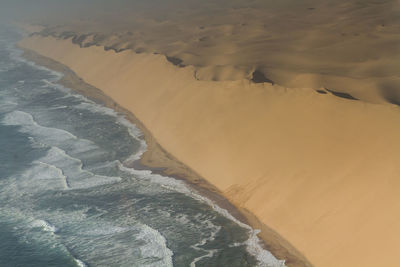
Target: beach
{"type": "Point", "coordinates": [311, 167]}
{"type": "Point", "coordinates": [74, 194]}
{"type": "Point", "coordinates": [158, 160]}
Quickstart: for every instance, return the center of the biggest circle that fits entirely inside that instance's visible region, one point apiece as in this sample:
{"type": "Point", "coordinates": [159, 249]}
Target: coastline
{"type": "Point", "coordinates": [160, 161]}
{"type": "Point", "coordinates": [302, 160]}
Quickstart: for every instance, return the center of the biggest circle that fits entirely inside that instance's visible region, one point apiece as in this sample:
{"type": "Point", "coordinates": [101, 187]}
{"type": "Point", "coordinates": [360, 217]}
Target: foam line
{"type": "Point", "coordinates": [72, 167]}
{"type": "Point", "coordinates": [253, 244]}
{"type": "Point", "coordinates": [75, 176]}
{"type": "Point", "coordinates": [133, 130]}
{"type": "Point", "coordinates": [209, 253]}
{"type": "Point", "coordinates": [157, 246]}
{"type": "Point", "coordinates": [60, 173]}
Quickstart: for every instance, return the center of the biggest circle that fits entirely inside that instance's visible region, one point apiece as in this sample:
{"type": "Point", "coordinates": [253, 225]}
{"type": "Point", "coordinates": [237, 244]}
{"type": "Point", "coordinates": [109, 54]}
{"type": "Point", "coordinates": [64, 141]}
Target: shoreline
{"type": "Point", "coordinates": [160, 161]}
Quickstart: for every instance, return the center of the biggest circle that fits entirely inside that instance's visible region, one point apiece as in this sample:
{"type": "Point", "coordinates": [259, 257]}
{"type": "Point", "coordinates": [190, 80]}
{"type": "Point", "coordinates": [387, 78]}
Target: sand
{"type": "Point", "coordinates": [320, 170]}
{"type": "Point", "coordinates": [345, 45]}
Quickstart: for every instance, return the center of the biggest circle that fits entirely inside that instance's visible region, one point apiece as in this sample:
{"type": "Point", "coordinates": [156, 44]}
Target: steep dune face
{"type": "Point", "coordinates": [318, 167]}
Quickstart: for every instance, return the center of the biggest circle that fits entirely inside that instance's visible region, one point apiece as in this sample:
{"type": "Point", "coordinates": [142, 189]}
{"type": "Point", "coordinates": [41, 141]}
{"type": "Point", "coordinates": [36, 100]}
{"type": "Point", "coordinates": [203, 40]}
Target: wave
{"type": "Point", "coordinates": [253, 244]}
{"type": "Point", "coordinates": [24, 221]}
{"type": "Point", "coordinates": [213, 230]}
{"type": "Point", "coordinates": [57, 170]}
{"type": "Point", "coordinates": [136, 134]}
{"type": "Point", "coordinates": [39, 177]}
{"type": "Point", "coordinates": [48, 227]}
{"type": "Point", "coordinates": [16, 55]}
{"type": "Point", "coordinates": [128, 245]}
{"type": "Point", "coordinates": [95, 108]}
{"type": "Point", "coordinates": [47, 135]}
{"type": "Point", "coordinates": [210, 254]}
{"type": "Point", "coordinates": [80, 263]}
{"type": "Point", "coordinates": [87, 104]}
{"type": "Point", "coordinates": [59, 107]}
{"type": "Point", "coordinates": [45, 225]}
{"type": "Point", "coordinates": [133, 130]}
{"type": "Point", "coordinates": [72, 168]}
{"type": "Point", "coordinates": [54, 85]}
{"type": "Point", "coordinates": [29, 125]}
{"type": "Point", "coordinates": [69, 167]}
{"type": "Point", "coordinates": [156, 247]}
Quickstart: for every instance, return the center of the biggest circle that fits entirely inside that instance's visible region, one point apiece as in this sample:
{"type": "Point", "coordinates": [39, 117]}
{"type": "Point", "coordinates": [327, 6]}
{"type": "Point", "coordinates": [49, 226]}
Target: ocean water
{"type": "Point", "coordinates": [66, 198]}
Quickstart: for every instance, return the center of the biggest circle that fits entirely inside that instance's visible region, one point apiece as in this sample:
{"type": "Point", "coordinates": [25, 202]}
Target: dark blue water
{"type": "Point", "coordinates": [67, 200]}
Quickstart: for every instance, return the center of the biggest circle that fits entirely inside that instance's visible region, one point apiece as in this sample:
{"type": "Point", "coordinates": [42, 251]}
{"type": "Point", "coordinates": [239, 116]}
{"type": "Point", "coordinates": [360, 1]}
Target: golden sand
{"type": "Point", "coordinates": [320, 170]}
{"type": "Point", "coordinates": [345, 45]}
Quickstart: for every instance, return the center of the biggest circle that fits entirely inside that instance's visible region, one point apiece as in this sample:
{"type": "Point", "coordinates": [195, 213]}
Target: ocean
{"type": "Point", "coordinates": [66, 198]}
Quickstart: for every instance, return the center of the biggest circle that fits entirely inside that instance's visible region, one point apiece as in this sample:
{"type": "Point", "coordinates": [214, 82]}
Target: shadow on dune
{"type": "Point", "coordinates": [341, 94]}
{"type": "Point", "coordinates": [176, 61]}
{"type": "Point", "coordinates": [259, 77]}
{"type": "Point", "coordinates": [391, 92]}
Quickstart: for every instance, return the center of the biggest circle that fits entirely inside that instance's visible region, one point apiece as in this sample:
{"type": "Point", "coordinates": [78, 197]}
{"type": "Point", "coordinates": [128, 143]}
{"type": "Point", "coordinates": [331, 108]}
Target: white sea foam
{"type": "Point", "coordinates": [29, 125]}
{"type": "Point", "coordinates": [155, 247]}
{"type": "Point", "coordinates": [103, 165]}
{"type": "Point", "coordinates": [59, 107]}
{"type": "Point", "coordinates": [75, 176]}
{"type": "Point", "coordinates": [16, 55]}
{"type": "Point", "coordinates": [134, 245]}
{"type": "Point", "coordinates": [95, 108]}
{"type": "Point", "coordinates": [59, 172]}
{"type": "Point", "coordinates": [209, 254]}
{"type": "Point", "coordinates": [87, 104]}
{"type": "Point", "coordinates": [51, 136]}
{"type": "Point", "coordinates": [38, 178]}
{"type": "Point", "coordinates": [68, 167]}
{"type": "Point", "coordinates": [253, 244]}
{"type": "Point", "coordinates": [166, 182]}
{"type": "Point", "coordinates": [136, 134]}
{"type": "Point", "coordinates": [46, 226]}
{"type": "Point", "coordinates": [133, 130]}
{"type": "Point", "coordinates": [182, 218]}
{"type": "Point", "coordinates": [212, 231]}
{"type": "Point", "coordinates": [80, 263]}
{"type": "Point", "coordinates": [53, 84]}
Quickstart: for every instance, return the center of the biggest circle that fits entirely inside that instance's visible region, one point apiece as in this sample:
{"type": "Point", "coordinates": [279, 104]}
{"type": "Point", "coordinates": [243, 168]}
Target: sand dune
{"type": "Point", "coordinates": [348, 46]}
{"type": "Point", "coordinates": [319, 168]}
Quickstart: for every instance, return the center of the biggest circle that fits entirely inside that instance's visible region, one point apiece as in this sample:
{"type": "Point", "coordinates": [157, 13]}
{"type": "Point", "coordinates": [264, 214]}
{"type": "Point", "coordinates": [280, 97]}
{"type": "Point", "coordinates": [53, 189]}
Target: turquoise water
{"type": "Point", "coordinates": [67, 199]}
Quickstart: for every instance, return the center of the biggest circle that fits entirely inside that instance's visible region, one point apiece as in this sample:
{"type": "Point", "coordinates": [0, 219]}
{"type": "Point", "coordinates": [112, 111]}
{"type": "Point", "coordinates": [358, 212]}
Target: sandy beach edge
{"type": "Point", "coordinates": [160, 161]}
